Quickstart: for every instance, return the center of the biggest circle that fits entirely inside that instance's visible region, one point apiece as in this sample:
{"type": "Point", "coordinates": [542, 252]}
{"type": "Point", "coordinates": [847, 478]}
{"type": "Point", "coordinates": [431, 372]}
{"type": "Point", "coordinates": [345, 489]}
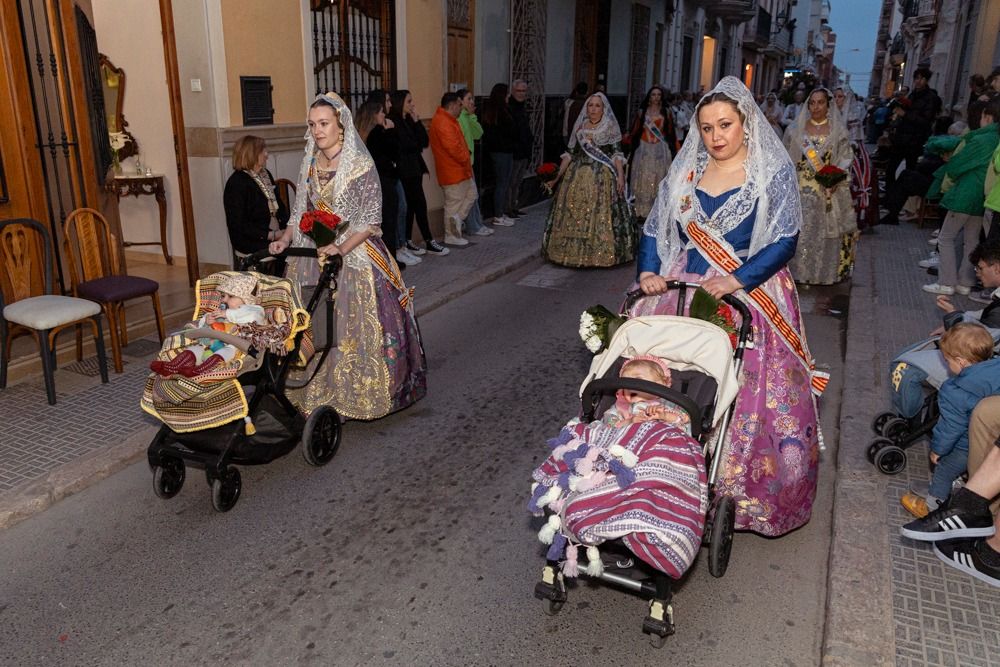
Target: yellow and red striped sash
{"type": "Point", "coordinates": [718, 255]}
{"type": "Point", "coordinates": [390, 270]}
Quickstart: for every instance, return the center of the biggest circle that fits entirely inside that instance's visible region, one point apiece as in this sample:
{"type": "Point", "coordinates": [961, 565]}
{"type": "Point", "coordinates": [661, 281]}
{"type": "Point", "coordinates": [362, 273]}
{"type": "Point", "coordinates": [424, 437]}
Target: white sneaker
{"type": "Point", "coordinates": [455, 240]}
{"type": "Point", "coordinates": [405, 257]}
{"type": "Point", "coordinates": [503, 221]}
{"type": "Point", "coordinates": [933, 260]}
{"type": "Point", "coordinates": [962, 289]}
{"type": "Point", "coordinates": [935, 288]}
{"type": "Point", "coordinates": [414, 249]}
{"type": "Point", "coordinates": [483, 231]}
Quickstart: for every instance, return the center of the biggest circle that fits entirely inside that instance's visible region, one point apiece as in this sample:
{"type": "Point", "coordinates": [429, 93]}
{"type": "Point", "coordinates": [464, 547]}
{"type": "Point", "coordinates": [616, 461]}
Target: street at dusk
{"type": "Point", "coordinates": [315, 344]}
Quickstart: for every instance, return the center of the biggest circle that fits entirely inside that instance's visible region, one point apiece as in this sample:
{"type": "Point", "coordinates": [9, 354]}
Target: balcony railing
{"type": "Point", "coordinates": [761, 35]}
{"type": "Point", "coordinates": [736, 11]}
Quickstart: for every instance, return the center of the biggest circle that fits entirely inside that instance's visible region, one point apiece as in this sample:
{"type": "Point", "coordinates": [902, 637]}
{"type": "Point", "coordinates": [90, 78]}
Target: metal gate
{"type": "Point", "coordinates": [527, 62]}
{"type": "Point", "coordinates": [354, 47]}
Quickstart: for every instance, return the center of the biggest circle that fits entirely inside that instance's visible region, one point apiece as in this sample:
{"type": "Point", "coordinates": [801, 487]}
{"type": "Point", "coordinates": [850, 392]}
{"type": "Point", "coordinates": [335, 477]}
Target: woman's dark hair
{"type": "Point", "coordinates": [922, 72]}
{"type": "Point", "coordinates": [495, 105]}
{"type": "Point", "coordinates": [977, 81]}
{"type": "Point", "coordinates": [377, 95]}
{"type": "Point", "coordinates": [649, 93]}
{"type": "Point", "coordinates": [398, 98]}
{"type": "Point", "coordinates": [365, 119]}
{"type": "Point", "coordinates": [718, 97]}
{"type": "Point", "coordinates": [580, 89]}
{"type": "Point", "coordinates": [462, 92]}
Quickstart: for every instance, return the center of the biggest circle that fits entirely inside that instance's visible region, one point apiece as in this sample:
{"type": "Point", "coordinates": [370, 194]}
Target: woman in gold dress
{"type": "Point", "coordinates": [378, 364]}
{"type": "Point", "coordinates": [825, 253]}
{"type": "Point", "coordinates": [591, 223]}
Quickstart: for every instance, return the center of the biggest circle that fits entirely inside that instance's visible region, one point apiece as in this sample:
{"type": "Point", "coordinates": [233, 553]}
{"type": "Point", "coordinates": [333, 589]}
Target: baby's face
{"type": "Point", "coordinates": [639, 373]}
{"type": "Point", "coordinates": [232, 301]}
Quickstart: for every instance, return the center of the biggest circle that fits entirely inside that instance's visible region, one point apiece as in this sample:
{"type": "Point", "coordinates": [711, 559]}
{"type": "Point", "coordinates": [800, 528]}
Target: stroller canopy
{"type": "Point", "coordinates": [684, 342]}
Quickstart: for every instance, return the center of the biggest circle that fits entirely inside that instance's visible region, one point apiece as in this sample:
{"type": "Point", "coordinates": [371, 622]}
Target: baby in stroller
{"type": "Point", "coordinates": [635, 407]}
{"type": "Point", "coordinates": [237, 309]}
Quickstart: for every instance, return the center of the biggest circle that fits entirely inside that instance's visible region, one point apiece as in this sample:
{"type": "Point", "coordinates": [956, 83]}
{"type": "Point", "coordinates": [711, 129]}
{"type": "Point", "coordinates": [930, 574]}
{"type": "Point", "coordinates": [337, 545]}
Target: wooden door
{"type": "Point", "coordinates": [461, 44]}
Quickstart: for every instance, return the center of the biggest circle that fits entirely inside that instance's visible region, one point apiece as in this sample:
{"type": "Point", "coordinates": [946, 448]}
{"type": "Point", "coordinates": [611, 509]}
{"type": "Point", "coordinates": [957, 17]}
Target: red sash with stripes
{"type": "Point", "coordinates": [720, 257]}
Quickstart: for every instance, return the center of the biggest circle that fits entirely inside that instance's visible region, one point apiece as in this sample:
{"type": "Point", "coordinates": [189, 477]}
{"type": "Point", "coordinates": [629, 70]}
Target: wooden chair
{"type": "Point", "coordinates": [286, 192]}
{"type": "Point", "coordinates": [92, 252]}
{"type": "Point", "coordinates": [929, 211]}
{"type": "Point", "coordinates": [28, 306]}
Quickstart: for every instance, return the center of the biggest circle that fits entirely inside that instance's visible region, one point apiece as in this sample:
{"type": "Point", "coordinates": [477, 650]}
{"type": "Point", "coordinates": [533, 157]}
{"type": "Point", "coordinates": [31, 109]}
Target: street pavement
{"type": "Point", "coordinates": [413, 545]}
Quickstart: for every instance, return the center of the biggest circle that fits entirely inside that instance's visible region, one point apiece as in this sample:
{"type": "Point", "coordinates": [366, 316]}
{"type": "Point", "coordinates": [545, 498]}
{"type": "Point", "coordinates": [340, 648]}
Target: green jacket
{"type": "Point", "coordinates": [472, 130]}
{"type": "Point", "coordinates": [962, 178]}
{"type": "Point", "coordinates": [993, 198]}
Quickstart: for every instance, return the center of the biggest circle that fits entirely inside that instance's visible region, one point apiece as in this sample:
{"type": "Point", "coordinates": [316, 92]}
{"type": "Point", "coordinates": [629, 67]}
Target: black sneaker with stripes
{"type": "Point", "coordinates": [949, 523]}
{"type": "Point", "coordinates": [967, 556]}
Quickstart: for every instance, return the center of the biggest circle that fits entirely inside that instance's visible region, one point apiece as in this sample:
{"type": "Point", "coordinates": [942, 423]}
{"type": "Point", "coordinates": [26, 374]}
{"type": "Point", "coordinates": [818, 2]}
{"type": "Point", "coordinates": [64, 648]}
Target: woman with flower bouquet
{"type": "Point", "coordinates": [820, 146]}
{"type": "Point", "coordinates": [727, 216]}
{"type": "Point", "coordinates": [378, 365]}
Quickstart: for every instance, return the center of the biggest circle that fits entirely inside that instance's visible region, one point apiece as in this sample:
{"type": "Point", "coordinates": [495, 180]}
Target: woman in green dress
{"type": "Point", "coordinates": [591, 222]}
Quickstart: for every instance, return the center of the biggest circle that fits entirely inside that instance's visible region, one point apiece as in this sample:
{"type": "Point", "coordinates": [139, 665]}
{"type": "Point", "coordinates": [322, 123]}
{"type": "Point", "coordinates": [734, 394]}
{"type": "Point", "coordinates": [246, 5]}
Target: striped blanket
{"type": "Point", "coordinates": [644, 483]}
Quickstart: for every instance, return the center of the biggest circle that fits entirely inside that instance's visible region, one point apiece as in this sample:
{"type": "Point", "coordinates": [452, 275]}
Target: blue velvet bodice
{"type": "Point", "coordinates": [754, 271]}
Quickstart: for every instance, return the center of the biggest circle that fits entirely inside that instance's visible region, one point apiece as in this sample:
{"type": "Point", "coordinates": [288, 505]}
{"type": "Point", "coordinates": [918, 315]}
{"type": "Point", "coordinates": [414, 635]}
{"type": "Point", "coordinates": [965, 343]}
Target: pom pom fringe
{"type": "Point", "coordinates": [548, 531]}
{"type": "Point", "coordinates": [595, 567]}
{"type": "Point", "coordinates": [555, 552]}
{"type": "Point", "coordinates": [571, 568]}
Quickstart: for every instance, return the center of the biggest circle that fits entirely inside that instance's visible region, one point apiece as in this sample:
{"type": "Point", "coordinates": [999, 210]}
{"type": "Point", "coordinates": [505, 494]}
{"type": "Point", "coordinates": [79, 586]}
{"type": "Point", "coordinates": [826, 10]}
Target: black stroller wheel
{"type": "Point", "coordinates": [876, 444]}
{"type": "Point", "coordinates": [894, 429]}
{"type": "Point", "coordinates": [721, 543]}
{"type": "Point", "coordinates": [226, 490]}
{"type": "Point", "coordinates": [321, 436]}
{"type": "Point", "coordinates": [553, 607]}
{"type": "Point", "coordinates": [880, 420]}
{"type": "Point", "coordinates": [890, 459]}
{"type": "Point", "coordinates": [168, 478]}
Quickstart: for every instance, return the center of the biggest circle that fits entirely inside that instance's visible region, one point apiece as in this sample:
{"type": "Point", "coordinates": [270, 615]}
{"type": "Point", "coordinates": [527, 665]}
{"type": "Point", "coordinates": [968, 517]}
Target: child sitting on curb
{"type": "Point", "coordinates": [967, 348]}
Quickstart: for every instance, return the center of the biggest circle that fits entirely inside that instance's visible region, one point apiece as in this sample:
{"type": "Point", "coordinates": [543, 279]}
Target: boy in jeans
{"type": "Point", "coordinates": [967, 348]}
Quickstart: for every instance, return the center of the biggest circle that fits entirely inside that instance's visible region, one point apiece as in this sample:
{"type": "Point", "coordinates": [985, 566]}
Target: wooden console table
{"type": "Point", "coordinates": [123, 185]}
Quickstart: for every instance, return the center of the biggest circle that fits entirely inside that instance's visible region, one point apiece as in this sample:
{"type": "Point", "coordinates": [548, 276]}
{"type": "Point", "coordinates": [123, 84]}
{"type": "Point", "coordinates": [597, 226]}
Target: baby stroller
{"type": "Point", "coordinates": [704, 384]}
{"type": "Point", "coordinates": [915, 376]}
{"type": "Point", "coordinates": [240, 415]}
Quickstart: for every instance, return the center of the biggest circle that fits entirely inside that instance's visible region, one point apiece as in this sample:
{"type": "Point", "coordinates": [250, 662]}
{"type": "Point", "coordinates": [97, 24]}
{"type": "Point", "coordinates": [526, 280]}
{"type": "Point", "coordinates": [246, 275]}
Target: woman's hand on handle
{"type": "Point", "coordinates": [329, 250]}
{"type": "Point", "coordinates": [720, 286]}
{"type": "Point", "coordinates": [277, 247]}
{"type": "Point", "coordinates": [652, 283]}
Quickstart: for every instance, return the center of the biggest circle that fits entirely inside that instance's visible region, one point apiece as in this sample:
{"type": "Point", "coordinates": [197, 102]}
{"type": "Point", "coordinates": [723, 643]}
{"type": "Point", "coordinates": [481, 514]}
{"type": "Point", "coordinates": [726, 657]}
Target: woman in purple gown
{"type": "Point", "coordinates": [727, 216]}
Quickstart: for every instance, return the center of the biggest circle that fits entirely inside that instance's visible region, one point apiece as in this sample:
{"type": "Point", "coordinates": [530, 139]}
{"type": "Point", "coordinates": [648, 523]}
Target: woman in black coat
{"type": "Point", "coordinates": [255, 214]}
{"type": "Point", "coordinates": [413, 140]}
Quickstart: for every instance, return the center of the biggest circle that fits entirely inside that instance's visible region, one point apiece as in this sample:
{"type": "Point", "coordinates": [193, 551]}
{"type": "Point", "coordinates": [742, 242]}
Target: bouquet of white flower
{"type": "Point", "coordinates": [597, 326]}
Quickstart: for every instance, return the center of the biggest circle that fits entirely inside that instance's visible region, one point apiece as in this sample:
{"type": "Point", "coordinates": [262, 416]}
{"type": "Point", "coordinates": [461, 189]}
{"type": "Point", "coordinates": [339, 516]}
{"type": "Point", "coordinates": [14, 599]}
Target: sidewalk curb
{"type": "Point", "coordinates": [73, 477]}
{"type": "Point", "coordinates": [859, 628]}
{"type": "Point", "coordinates": [36, 496]}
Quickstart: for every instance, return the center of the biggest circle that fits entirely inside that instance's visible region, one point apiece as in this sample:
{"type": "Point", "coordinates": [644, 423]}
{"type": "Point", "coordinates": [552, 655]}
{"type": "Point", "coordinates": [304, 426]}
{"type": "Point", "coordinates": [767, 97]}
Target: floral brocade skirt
{"type": "Point", "coordinates": [649, 166]}
{"type": "Point", "coordinates": [771, 459]}
{"type": "Point", "coordinates": [825, 251]}
{"type": "Point", "coordinates": [378, 364]}
{"type": "Point", "coordinates": [589, 223]}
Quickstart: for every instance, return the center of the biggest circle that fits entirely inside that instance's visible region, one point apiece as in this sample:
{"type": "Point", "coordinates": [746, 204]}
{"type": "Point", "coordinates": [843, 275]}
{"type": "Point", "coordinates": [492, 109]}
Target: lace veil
{"type": "Point", "coordinates": [607, 131]}
{"type": "Point", "coordinates": [838, 129]}
{"type": "Point", "coordinates": [771, 185]}
{"type": "Point", "coordinates": [355, 193]}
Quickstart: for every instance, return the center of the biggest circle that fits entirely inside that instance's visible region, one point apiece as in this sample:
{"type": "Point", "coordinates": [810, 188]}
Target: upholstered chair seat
{"type": "Point", "coordinates": [117, 288]}
{"type": "Point", "coordinates": [49, 311]}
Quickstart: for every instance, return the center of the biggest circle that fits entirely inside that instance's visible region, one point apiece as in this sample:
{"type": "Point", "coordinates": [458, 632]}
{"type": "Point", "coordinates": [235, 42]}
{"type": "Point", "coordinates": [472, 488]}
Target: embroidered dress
{"type": "Point", "coordinates": [772, 451]}
{"type": "Point", "coordinates": [378, 364]}
{"type": "Point", "coordinates": [825, 253]}
{"type": "Point", "coordinates": [649, 165]}
{"type": "Point", "coordinates": [589, 223]}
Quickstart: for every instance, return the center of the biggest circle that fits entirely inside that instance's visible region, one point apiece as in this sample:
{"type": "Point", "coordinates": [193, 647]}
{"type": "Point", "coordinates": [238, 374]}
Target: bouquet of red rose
{"type": "Point", "coordinates": [546, 172]}
{"type": "Point", "coordinates": [830, 176]}
{"type": "Point", "coordinates": [706, 307]}
{"type": "Point", "coordinates": [321, 226]}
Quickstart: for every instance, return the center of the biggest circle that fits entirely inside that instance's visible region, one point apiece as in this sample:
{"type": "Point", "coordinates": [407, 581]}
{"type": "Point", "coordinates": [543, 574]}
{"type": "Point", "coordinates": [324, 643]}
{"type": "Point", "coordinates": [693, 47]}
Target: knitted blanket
{"type": "Point", "coordinates": [644, 483]}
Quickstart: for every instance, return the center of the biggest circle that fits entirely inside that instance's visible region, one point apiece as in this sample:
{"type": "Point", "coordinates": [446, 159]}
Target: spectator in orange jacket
{"type": "Point", "coordinates": [453, 166]}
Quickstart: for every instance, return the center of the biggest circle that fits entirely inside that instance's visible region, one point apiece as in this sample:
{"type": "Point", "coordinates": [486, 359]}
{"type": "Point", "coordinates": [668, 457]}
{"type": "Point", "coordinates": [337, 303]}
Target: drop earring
{"type": "Point", "coordinates": [746, 136]}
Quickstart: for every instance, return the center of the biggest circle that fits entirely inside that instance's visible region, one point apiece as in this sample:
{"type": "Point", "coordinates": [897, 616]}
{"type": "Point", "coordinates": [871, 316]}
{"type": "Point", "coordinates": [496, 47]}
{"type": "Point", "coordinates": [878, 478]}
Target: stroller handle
{"type": "Point", "coordinates": [737, 304]}
{"type": "Point", "coordinates": [605, 386]}
{"type": "Point", "coordinates": [253, 259]}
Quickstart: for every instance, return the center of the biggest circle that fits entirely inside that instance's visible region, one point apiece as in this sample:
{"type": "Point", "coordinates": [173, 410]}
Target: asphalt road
{"type": "Point", "coordinates": [413, 546]}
